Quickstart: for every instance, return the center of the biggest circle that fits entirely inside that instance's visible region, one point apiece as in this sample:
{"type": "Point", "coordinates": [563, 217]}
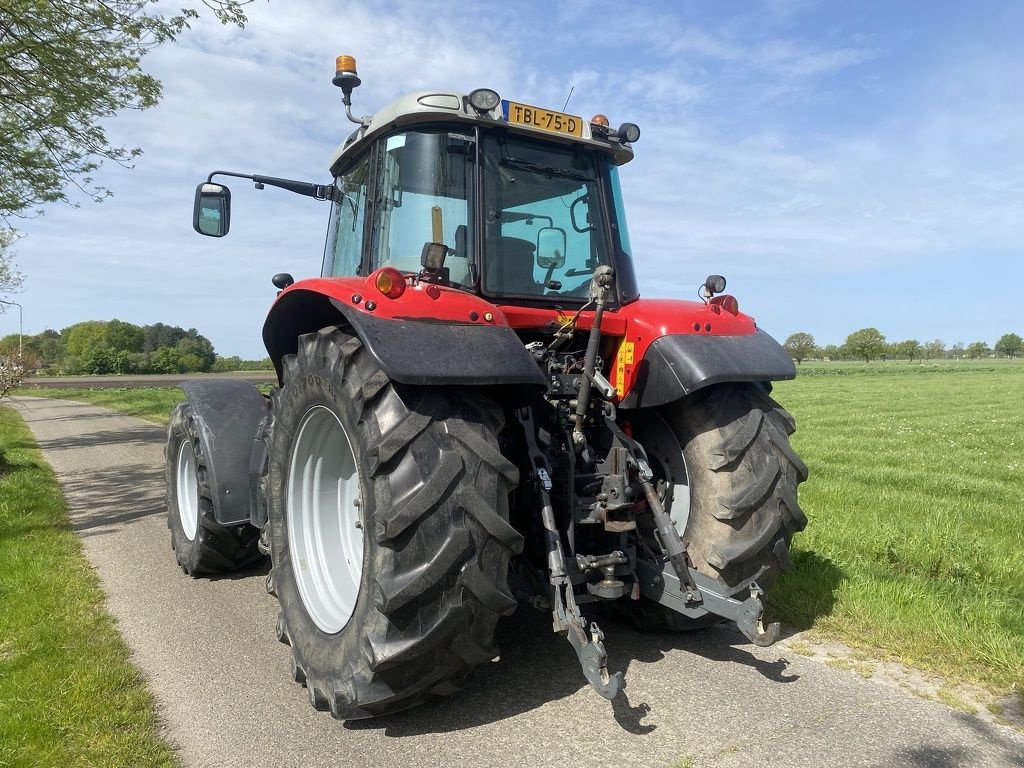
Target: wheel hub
{"type": "Point", "coordinates": [324, 534]}
{"type": "Point", "coordinates": [187, 489]}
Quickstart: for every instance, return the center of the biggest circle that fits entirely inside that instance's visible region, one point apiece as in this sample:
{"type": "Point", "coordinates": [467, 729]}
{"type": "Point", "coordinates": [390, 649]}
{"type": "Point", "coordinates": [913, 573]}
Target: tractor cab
{"type": "Point", "coordinates": [517, 204]}
{"type": "Point", "coordinates": [513, 217]}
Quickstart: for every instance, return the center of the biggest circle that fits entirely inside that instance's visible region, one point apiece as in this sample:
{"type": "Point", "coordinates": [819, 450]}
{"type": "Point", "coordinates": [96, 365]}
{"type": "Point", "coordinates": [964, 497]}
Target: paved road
{"type": "Point", "coordinates": [223, 690]}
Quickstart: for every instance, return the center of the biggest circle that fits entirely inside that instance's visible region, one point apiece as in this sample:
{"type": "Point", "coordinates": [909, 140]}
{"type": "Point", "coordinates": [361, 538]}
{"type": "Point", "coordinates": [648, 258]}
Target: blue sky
{"type": "Point", "coordinates": [843, 164]}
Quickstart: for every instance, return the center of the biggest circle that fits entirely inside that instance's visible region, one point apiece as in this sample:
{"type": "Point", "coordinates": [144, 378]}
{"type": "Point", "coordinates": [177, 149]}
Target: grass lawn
{"type": "Point", "coordinates": [68, 694]}
{"type": "Point", "coordinates": [915, 545]}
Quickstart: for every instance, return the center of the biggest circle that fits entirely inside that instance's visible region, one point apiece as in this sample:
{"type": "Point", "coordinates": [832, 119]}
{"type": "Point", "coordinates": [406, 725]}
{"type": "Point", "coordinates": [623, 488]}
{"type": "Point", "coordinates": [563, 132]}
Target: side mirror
{"type": "Point", "coordinates": [550, 248]}
{"type": "Point", "coordinates": [211, 213]}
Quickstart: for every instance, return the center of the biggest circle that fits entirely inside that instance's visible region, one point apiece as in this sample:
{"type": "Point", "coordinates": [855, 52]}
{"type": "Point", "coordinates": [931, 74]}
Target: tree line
{"type": "Point", "coordinates": [114, 346]}
{"type": "Point", "coordinates": [869, 344]}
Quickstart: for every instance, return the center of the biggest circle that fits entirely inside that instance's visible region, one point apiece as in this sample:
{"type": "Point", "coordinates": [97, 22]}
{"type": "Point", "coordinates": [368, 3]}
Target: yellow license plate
{"type": "Point", "coordinates": [544, 119]}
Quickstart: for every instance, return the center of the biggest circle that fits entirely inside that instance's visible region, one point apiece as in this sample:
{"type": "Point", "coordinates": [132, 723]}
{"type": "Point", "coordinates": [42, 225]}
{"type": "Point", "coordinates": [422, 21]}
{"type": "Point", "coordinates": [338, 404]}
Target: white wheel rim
{"type": "Point", "coordinates": [187, 489]}
{"type": "Point", "coordinates": [324, 537]}
{"type": "Point", "coordinates": [661, 445]}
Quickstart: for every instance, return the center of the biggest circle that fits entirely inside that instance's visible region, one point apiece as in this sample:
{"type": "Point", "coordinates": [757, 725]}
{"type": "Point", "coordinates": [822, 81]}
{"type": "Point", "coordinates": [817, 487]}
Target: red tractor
{"type": "Point", "coordinates": [477, 411]}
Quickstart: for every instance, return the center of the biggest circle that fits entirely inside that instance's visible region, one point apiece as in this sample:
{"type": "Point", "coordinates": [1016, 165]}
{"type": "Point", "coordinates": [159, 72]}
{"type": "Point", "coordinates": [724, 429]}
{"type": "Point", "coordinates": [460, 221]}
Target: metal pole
{"type": "Point", "coordinates": [2, 301]}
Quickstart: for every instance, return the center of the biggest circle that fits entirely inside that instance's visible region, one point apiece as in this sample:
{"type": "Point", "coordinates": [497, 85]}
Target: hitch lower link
{"type": "Point", "coordinates": [566, 617]}
{"type": "Point", "coordinates": [692, 586]}
{"type": "Point", "coordinates": [588, 644]}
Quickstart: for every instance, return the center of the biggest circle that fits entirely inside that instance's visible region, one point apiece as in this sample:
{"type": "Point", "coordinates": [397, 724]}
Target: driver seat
{"type": "Point", "coordinates": [510, 263]}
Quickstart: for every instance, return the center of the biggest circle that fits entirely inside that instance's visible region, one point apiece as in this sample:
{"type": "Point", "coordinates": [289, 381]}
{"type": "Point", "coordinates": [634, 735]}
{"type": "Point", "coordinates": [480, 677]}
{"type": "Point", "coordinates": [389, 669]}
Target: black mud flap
{"type": "Point", "coordinates": [228, 415]}
{"type": "Point", "coordinates": [679, 364]}
{"type": "Point", "coordinates": [414, 351]}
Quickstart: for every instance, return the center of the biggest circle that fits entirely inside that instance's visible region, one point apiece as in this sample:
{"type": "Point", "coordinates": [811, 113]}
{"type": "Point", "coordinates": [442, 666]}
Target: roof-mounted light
{"type": "Point", "coordinates": [346, 78]}
{"type": "Point", "coordinates": [484, 99]}
{"type": "Point", "coordinates": [714, 284]}
{"type": "Point", "coordinates": [629, 132]}
{"type": "Point", "coordinates": [599, 119]}
{"type": "Point", "coordinates": [345, 75]}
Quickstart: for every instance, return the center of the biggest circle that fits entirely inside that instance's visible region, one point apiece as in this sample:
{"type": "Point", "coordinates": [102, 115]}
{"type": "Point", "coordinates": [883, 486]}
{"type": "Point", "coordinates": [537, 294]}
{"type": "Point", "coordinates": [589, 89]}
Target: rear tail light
{"type": "Point", "coordinates": [726, 302]}
{"type": "Point", "coordinates": [390, 282]}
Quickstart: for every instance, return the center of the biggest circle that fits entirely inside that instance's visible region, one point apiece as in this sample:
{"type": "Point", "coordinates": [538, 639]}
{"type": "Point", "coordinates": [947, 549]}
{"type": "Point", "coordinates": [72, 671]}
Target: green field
{"type": "Point", "coordinates": [69, 695]}
{"type": "Point", "coordinates": [915, 546]}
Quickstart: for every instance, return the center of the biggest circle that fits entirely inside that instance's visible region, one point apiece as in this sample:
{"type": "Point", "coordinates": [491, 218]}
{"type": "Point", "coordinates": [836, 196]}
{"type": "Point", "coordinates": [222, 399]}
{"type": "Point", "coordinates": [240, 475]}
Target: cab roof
{"type": "Point", "coordinates": [444, 106]}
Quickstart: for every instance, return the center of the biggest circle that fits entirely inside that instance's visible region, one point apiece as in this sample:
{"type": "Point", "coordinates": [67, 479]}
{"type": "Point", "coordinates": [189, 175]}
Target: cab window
{"type": "Point", "coordinates": [424, 195]}
{"type": "Point", "coordinates": [544, 233]}
{"type": "Point", "coordinates": [344, 252]}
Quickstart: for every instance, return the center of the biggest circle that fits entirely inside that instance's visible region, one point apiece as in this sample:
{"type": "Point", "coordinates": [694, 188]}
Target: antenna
{"type": "Point", "coordinates": [572, 87]}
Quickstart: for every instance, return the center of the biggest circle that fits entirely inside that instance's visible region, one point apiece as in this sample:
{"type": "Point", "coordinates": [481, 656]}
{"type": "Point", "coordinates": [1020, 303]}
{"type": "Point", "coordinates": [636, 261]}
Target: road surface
{"type": "Point", "coordinates": [223, 690]}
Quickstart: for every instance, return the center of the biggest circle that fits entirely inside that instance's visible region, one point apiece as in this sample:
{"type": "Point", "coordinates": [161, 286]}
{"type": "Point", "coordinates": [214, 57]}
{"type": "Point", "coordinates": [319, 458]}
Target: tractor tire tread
{"type": "Point", "coordinates": [436, 557]}
{"type": "Point", "coordinates": [744, 479]}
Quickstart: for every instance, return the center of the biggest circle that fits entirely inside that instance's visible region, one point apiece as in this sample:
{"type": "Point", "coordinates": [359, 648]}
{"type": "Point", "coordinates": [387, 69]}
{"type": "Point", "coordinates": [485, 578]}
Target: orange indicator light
{"type": "Point", "coordinates": [390, 282]}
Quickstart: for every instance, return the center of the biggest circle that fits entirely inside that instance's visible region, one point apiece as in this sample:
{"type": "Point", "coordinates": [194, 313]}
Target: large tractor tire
{"type": "Point", "coordinates": [730, 477]}
{"type": "Point", "coordinates": [389, 535]}
{"type": "Point", "coordinates": [201, 545]}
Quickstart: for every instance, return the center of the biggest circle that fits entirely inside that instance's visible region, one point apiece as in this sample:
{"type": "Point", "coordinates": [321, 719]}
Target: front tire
{"type": "Point", "coordinates": [418, 612]}
{"type": "Point", "coordinates": [726, 451]}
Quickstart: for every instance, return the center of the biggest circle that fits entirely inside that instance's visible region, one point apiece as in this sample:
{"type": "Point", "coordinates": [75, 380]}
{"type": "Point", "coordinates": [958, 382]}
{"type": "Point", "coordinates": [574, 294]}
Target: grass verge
{"type": "Point", "coordinates": [149, 403]}
{"type": "Point", "coordinates": [68, 694]}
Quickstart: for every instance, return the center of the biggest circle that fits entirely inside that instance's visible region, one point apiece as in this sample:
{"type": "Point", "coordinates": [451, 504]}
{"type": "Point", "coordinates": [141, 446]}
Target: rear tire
{"type": "Point", "coordinates": [201, 545]}
{"type": "Point", "coordinates": [433, 519]}
{"type": "Point", "coordinates": [741, 476]}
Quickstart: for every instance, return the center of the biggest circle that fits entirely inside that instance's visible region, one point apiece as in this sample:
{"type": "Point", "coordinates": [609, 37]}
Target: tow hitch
{"type": "Point", "coordinates": [686, 590]}
{"type": "Point", "coordinates": [566, 617]}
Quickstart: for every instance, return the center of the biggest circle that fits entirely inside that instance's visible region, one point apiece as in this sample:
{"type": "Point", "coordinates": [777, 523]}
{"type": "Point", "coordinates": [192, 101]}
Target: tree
{"type": "Point", "coordinates": [104, 360]}
{"type": "Point", "coordinates": [867, 343]}
{"type": "Point", "coordinates": [82, 338]}
{"type": "Point", "coordinates": [10, 278]}
{"type": "Point", "coordinates": [65, 67]}
{"type": "Point", "coordinates": [935, 348]}
{"type": "Point", "coordinates": [15, 366]}
{"type": "Point", "coordinates": [957, 350]}
{"type": "Point", "coordinates": [124, 336]}
{"type": "Point", "coordinates": [165, 360]}
{"type": "Point", "coordinates": [799, 346]}
{"type": "Point", "coordinates": [978, 349]}
{"type": "Point", "coordinates": [196, 352]}
{"type": "Point", "coordinates": [1009, 344]}
{"type": "Point", "coordinates": [830, 351]}
{"type": "Point", "coordinates": [160, 335]}
{"type": "Point", "coordinates": [909, 349]}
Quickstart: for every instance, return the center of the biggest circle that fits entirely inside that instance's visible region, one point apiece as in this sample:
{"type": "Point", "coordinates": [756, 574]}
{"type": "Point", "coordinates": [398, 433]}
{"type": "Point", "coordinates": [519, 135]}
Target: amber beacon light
{"type": "Point", "coordinates": [345, 74]}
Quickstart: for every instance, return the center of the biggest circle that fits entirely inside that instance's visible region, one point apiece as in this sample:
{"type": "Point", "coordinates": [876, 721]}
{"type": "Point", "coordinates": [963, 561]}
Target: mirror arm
{"type": "Point", "coordinates": [316, 191]}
